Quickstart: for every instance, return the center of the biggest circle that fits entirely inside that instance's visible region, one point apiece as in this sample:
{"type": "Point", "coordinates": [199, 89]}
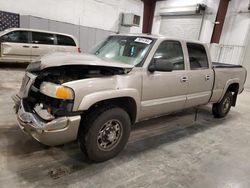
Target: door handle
{"type": "Point", "coordinates": [207, 77]}
{"type": "Point", "coordinates": [184, 79]}
{"type": "Point", "coordinates": [35, 46]}
{"type": "Point", "coordinates": [25, 46]}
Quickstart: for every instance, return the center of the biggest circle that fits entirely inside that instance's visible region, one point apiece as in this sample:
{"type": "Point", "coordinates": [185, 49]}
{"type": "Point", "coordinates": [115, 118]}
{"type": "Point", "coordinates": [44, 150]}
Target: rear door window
{"type": "Point", "coordinates": [65, 41]}
{"type": "Point", "coordinates": [197, 56]}
{"type": "Point", "coordinates": [43, 38]}
{"type": "Point", "coordinates": [15, 36]}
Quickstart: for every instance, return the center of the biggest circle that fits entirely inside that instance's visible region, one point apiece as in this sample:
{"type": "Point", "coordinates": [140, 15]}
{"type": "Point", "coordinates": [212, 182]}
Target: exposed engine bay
{"type": "Point", "coordinates": [48, 107]}
{"type": "Point", "coordinates": [67, 73]}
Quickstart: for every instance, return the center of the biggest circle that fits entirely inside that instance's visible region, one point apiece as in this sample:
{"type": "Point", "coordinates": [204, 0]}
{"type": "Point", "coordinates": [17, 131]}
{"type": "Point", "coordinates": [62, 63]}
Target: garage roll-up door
{"type": "Point", "coordinates": [181, 26]}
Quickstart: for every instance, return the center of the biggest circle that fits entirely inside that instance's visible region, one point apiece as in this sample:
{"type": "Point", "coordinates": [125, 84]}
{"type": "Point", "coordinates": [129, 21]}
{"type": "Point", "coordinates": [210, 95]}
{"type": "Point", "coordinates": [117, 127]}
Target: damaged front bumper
{"type": "Point", "coordinates": [58, 131]}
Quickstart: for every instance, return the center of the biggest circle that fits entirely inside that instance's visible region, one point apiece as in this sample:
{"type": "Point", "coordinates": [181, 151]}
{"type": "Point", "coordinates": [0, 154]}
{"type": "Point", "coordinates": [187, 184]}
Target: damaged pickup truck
{"type": "Point", "coordinates": [95, 98]}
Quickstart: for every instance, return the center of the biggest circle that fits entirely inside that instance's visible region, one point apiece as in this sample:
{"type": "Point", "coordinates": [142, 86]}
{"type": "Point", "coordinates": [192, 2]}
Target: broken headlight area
{"type": "Point", "coordinates": [49, 99]}
{"type": "Point", "coordinates": [67, 73]}
{"type": "Point", "coordinates": [46, 107]}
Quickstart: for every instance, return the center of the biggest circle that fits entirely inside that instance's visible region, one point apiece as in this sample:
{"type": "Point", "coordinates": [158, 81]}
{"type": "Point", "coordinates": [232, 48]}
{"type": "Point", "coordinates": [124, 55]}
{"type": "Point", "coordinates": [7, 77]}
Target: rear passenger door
{"type": "Point", "coordinates": [66, 44]}
{"type": "Point", "coordinates": [200, 76]}
{"type": "Point", "coordinates": [42, 43]}
{"type": "Point", "coordinates": [15, 46]}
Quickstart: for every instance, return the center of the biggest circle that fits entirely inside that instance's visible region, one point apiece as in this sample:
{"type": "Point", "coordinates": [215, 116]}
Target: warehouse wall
{"type": "Point", "coordinates": [235, 34]}
{"type": "Point", "coordinates": [237, 22]}
{"type": "Point", "coordinates": [100, 14]}
{"type": "Point", "coordinates": [86, 36]}
{"type": "Point", "coordinates": [209, 18]}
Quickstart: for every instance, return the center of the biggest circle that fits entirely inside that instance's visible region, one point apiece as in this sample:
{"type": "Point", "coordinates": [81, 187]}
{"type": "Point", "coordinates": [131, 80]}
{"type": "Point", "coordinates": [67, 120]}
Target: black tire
{"type": "Point", "coordinates": [94, 134]}
{"type": "Point", "coordinates": [222, 108]}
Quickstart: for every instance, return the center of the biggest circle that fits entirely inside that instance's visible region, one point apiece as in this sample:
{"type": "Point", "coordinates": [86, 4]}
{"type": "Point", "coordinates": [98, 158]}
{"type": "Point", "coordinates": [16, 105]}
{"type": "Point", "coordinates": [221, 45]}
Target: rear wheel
{"type": "Point", "coordinates": [104, 133]}
{"type": "Point", "coordinates": [222, 108]}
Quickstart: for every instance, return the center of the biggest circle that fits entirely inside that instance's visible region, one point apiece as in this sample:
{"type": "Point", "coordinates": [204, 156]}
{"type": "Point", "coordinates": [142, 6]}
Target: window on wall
{"type": "Point", "coordinates": [171, 51]}
{"type": "Point", "coordinates": [16, 36]}
{"type": "Point", "coordinates": [42, 38]}
{"type": "Point", "coordinates": [65, 41]}
{"type": "Point", "coordinates": [197, 56]}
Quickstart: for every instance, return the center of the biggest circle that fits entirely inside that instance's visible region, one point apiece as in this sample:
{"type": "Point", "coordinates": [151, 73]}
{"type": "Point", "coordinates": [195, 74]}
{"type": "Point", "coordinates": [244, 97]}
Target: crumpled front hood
{"type": "Point", "coordinates": [60, 59]}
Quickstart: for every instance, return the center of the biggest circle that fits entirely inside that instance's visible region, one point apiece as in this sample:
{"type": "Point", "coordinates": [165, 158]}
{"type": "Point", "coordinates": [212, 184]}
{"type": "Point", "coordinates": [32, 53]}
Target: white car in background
{"type": "Point", "coordinates": [24, 45]}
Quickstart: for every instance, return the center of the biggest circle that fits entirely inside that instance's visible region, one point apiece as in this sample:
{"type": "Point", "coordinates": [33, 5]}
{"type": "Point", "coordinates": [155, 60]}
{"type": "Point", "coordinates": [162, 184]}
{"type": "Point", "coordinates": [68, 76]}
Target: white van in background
{"type": "Point", "coordinates": [24, 45]}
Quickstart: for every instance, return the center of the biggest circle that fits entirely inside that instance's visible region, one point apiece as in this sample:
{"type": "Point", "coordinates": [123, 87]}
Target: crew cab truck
{"type": "Point", "coordinates": [95, 98]}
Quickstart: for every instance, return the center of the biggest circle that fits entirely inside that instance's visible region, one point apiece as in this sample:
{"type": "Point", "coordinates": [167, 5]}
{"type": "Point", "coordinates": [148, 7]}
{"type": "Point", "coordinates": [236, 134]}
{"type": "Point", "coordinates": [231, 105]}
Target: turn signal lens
{"type": "Point", "coordinates": [64, 93]}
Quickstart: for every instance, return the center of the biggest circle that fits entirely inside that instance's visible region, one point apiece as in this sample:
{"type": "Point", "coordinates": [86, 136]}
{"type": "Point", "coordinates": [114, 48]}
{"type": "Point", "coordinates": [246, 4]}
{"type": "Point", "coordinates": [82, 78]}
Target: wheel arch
{"type": "Point", "coordinates": [127, 100]}
{"type": "Point", "coordinates": [232, 86]}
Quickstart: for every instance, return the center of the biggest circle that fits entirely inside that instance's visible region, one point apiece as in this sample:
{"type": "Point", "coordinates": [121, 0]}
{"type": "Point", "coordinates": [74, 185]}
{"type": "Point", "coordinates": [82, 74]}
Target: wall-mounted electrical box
{"type": "Point", "coordinates": [129, 19]}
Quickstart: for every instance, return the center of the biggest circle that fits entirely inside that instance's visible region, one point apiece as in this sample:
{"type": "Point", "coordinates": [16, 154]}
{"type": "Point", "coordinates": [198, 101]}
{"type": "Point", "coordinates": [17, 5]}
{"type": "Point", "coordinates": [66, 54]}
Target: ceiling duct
{"type": "Point", "coordinates": [185, 10]}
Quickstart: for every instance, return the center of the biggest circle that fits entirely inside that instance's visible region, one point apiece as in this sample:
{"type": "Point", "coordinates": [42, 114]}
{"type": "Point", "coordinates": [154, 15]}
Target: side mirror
{"type": "Point", "coordinates": [162, 65]}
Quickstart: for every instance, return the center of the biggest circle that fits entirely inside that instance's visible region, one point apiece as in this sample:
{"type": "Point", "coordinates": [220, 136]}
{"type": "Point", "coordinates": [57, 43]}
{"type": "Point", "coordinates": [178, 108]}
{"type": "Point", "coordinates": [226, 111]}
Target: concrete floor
{"type": "Point", "coordinates": [172, 151]}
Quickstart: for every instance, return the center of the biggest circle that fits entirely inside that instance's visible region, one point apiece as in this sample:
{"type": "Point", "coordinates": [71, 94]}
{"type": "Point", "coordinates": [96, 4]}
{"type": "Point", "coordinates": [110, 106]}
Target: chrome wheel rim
{"type": "Point", "coordinates": [226, 104]}
{"type": "Point", "coordinates": [109, 135]}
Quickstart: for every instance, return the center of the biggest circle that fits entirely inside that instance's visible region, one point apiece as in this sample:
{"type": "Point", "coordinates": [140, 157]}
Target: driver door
{"type": "Point", "coordinates": [165, 92]}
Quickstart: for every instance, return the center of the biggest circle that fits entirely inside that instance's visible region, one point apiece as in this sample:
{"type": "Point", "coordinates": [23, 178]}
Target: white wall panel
{"type": "Point", "coordinates": [235, 33]}
{"type": "Point", "coordinates": [39, 23]}
{"type": "Point", "coordinates": [209, 17]}
{"type": "Point", "coordinates": [87, 37]}
{"type": "Point", "coordinates": [24, 21]}
{"type": "Point", "coordinates": [61, 27]}
{"type": "Point", "coordinates": [101, 14]}
{"type": "Point", "coordinates": [231, 54]}
{"type": "Point", "coordinates": [237, 22]}
{"type": "Point", "coordinates": [186, 27]}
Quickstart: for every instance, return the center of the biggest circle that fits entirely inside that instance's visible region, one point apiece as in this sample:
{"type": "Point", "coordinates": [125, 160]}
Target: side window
{"type": "Point", "coordinates": [42, 38]}
{"type": "Point", "coordinates": [197, 56]}
{"type": "Point", "coordinates": [172, 52]}
{"type": "Point", "coordinates": [16, 36]}
{"type": "Point", "coordinates": [65, 41]}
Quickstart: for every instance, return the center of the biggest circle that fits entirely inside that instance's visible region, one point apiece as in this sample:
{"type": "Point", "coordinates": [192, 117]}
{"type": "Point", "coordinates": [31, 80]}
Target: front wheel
{"type": "Point", "coordinates": [222, 108]}
{"type": "Point", "coordinates": [104, 133]}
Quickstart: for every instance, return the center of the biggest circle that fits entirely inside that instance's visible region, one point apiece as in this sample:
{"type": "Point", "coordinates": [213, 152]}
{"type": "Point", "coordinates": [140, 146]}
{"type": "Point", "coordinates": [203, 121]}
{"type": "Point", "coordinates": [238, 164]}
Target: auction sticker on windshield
{"type": "Point", "coordinates": [143, 40]}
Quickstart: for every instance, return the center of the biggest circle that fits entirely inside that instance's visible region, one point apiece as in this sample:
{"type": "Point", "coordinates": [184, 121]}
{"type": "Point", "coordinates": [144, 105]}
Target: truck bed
{"type": "Point", "coordinates": [224, 75]}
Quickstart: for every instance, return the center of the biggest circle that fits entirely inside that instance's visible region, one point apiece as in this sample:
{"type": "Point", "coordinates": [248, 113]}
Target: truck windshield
{"type": "Point", "coordinates": [125, 49]}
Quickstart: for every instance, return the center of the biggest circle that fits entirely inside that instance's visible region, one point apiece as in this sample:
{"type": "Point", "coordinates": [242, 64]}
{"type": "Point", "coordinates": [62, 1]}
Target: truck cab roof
{"type": "Point", "coordinates": [158, 36]}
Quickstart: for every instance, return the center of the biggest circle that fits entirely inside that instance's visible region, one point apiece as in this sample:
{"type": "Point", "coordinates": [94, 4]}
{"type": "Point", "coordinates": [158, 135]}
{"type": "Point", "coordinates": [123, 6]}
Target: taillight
{"type": "Point", "coordinates": [79, 50]}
